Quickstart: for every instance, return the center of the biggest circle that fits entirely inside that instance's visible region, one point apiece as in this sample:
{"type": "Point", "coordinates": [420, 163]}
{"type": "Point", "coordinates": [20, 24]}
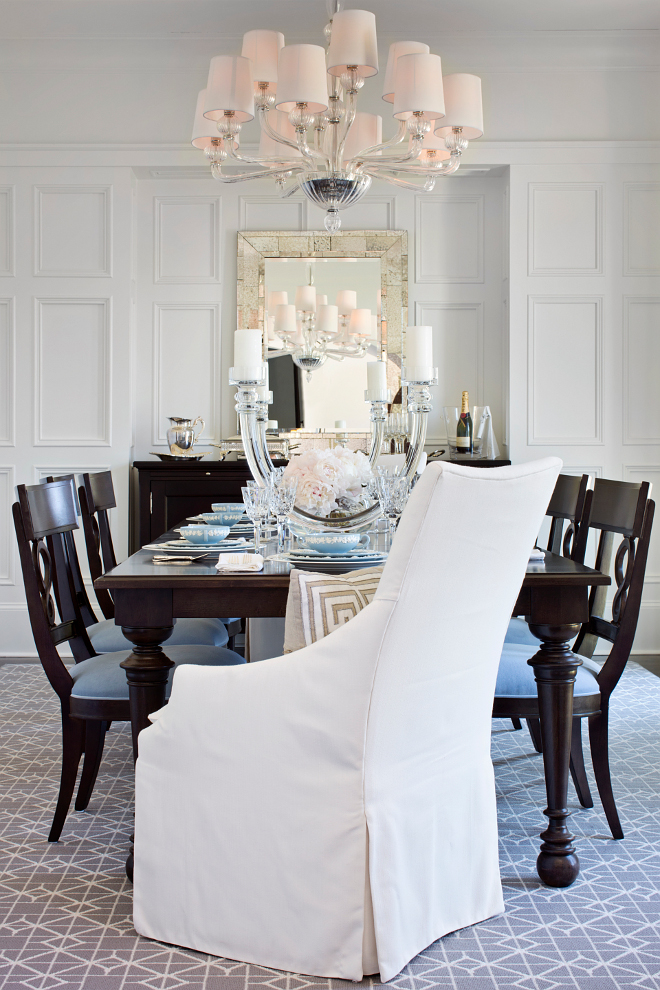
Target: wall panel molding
{"type": "Point", "coordinates": [271, 213]}
{"type": "Point", "coordinates": [187, 235]}
{"type": "Point", "coordinates": [651, 473]}
{"type": "Point", "coordinates": [186, 376]}
{"type": "Point", "coordinates": [565, 370]}
{"type": "Point", "coordinates": [7, 231]}
{"type": "Point", "coordinates": [73, 239]}
{"type": "Point", "coordinates": [565, 228]}
{"type": "Point", "coordinates": [458, 353]}
{"type": "Point", "coordinates": [7, 538]}
{"type": "Point", "coordinates": [7, 373]}
{"type": "Point", "coordinates": [73, 410]}
{"type": "Point", "coordinates": [641, 228]}
{"type": "Point", "coordinates": [449, 238]}
{"type": "Point", "coordinates": [370, 213]}
{"type": "Point", "coordinates": [641, 361]}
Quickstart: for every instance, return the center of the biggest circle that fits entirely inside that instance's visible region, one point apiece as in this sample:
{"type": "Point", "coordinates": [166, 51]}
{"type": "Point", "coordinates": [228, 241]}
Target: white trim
{"type": "Point", "coordinates": [422, 202]}
{"type": "Point", "coordinates": [9, 577]}
{"type": "Point", "coordinates": [532, 440]}
{"type": "Point", "coordinates": [105, 271]}
{"type": "Point", "coordinates": [106, 439]}
{"type": "Point", "coordinates": [597, 188]}
{"type": "Point", "coordinates": [10, 233]}
{"type": "Point", "coordinates": [159, 438]}
{"type": "Point", "coordinates": [627, 302]}
{"type": "Point", "coordinates": [10, 365]}
{"type": "Point", "coordinates": [216, 235]}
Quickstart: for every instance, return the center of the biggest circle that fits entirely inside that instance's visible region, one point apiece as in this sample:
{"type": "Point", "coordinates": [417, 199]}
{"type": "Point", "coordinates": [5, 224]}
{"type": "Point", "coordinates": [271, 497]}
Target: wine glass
{"type": "Point", "coordinates": [282, 500]}
{"type": "Point", "coordinates": [393, 494]}
{"type": "Point", "coordinates": [256, 501]}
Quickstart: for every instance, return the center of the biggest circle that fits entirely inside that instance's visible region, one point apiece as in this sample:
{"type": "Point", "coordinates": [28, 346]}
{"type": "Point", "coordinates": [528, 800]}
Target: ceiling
{"type": "Point", "coordinates": [298, 19]}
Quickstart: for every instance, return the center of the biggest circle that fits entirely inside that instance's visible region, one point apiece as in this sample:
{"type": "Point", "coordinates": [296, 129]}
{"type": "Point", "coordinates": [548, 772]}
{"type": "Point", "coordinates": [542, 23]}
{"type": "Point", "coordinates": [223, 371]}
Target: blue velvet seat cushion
{"type": "Point", "coordinates": [106, 637]}
{"type": "Point", "coordinates": [515, 677]}
{"type": "Point", "coordinates": [102, 677]}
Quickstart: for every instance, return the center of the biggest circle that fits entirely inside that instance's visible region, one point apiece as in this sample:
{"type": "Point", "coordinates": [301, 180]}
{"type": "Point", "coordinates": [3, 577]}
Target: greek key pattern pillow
{"type": "Point", "coordinates": [320, 603]}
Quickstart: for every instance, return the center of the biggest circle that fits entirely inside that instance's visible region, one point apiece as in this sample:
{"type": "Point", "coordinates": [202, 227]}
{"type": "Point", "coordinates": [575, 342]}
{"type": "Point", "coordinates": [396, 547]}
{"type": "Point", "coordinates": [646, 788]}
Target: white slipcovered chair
{"type": "Point", "coordinates": [332, 812]}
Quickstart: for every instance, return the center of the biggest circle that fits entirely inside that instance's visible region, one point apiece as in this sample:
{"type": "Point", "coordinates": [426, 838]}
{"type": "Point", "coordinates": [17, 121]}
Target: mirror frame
{"type": "Point", "coordinates": [391, 246]}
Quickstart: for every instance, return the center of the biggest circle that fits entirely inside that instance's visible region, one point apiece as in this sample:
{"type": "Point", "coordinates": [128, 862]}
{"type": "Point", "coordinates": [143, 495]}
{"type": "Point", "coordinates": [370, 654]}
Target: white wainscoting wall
{"type": "Point", "coordinates": [118, 306]}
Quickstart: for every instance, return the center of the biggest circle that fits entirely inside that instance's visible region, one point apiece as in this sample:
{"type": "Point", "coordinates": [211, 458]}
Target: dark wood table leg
{"type": "Point", "coordinates": [555, 668]}
{"type": "Point", "coordinates": [146, 620]}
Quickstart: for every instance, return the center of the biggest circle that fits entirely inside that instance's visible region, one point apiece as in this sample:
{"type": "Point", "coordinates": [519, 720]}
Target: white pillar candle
{"type": "Point", "coordinates": [377, 381]}
{"type": "Point", "coordinates": [360, 323]}
{"type": "Point", "coordinates": [346, 301]}
{"type": "Point", "coordinates": [248, 354]}
{"type": "Point", "coordinates": [419, 353]}
{"type": "Point", "coordinates": [327, 319]}
{"type": "Point", "coordinates": [340, 424]}
{"type": "Point", "coordinates": [306, 298]}
{"type": "Point", "coordinates": [285, 318]}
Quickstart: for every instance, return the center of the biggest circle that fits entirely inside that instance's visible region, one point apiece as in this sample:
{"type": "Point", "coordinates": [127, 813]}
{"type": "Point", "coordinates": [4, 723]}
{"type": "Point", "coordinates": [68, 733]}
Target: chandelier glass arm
{"type": "Point", "coordinates": [410, 156]}
{"type": "Point", "coordinates": [309, 154]}
{"type": "Point", "coordinates": [286, 170]}
{"type": "Point", "coordinates": [392, 143]}
{"type": "Point", "coordinates": [393, 180]}
{"type": "Point", "coordinates": [338, 141]}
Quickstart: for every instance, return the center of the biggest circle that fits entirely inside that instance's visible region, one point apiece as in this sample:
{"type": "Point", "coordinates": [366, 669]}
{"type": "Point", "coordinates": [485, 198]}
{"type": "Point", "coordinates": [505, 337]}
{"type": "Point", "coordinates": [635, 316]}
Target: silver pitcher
{"type": "Point", "coordinates": [181, 436]}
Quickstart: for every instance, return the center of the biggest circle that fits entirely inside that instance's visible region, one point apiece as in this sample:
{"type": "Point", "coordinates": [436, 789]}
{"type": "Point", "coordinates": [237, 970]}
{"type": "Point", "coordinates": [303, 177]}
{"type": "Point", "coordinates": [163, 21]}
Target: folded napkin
{"type": "Point", "coordinates": [537, 556]}
{"type": "Point", "coordinates": [239, 563]}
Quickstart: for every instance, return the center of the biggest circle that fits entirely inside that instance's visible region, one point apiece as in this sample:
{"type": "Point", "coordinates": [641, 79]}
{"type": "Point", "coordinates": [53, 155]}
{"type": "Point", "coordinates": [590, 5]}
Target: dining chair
{"type": "Point", "coordinates": [566, 506]}
{"type": "Point", "coordinates": [96, 498]}
{"type": "Point", "coordinates": [613, 508]}
{"type": "Point", "coordinates": [332, 811]}
{"type": "Point", "coordinates": [94, 691]}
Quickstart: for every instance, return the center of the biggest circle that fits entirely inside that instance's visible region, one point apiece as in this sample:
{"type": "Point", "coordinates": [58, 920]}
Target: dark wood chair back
{"type": "Point", "coordinates": [567, 505]}
{"type": "Point", "coordinates": [43, 515]}
{"type": "Point", "coordinates": [97, 497]}
{"type": "Point", "coordinates": [624, 509]}
{"type": "Point", "coordinates": [84, 604]}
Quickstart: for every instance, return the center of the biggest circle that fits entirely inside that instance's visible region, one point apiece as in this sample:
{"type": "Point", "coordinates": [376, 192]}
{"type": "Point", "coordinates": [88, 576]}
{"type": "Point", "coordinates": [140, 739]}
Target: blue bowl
{"type": "Point", "coordinates": [334, 542]}
{"type": "Point", "coordinates": [227, 507]}
{"type": "Point", "coordinates": [204, 535]}
{"type": "Point", "coordinates": [218, 518]}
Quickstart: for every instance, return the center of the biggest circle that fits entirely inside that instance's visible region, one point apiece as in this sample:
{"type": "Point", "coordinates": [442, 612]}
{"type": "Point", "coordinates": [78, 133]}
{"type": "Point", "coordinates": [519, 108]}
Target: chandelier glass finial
{"type": "Point", "coordinates": [312, 136]}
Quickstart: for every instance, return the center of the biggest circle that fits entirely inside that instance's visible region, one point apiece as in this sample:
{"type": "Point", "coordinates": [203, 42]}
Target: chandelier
{"type": "Point", "coordinates": [311, 330]}
{"type": "Point", "coordinates": [312, 135]}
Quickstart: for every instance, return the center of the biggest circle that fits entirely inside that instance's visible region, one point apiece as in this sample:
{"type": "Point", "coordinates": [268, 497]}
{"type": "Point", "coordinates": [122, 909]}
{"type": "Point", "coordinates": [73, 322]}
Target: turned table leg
{"type": "Point", "coordinates": [555, 668]}
{"type": "Point", "coordinates": [147, 670]}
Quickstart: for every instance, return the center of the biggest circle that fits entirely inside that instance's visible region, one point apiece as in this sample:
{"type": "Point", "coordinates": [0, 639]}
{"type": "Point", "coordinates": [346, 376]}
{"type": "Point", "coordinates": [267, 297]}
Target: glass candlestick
{"type": "Point", "coordinates": [419, 406]}
{"type": "Point", "coordinates": [248, 406]}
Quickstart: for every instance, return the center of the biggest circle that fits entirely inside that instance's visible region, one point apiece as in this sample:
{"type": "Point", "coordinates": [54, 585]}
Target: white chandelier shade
{"type": "Point", "coordinates": [418, 87]}
{"type": "Point", "coordinates": [205, 131]}
{"type": "Point", "coordinates": [353, 43]}
{"type": "Point", "coordinates": [346, 301]}
{"type": "Point", "coordinates": [263, 49]}
{"type": "Point", "coordinates": [277, 297]}
{"type": "Point", "coordinates": [302, 79]}
{"type": "Point", "coordinates": [313, 137]}
{"type": "Point", "coordinates": [463, 106]}
{"type": "Point", "coordinates": [285, 319]}
{"type": "Point", "coordinates": [398, 48]}
{"type": "Point", "coordinates": [327, 319]}
{"type": "Point", "coordinates": [229, 88]}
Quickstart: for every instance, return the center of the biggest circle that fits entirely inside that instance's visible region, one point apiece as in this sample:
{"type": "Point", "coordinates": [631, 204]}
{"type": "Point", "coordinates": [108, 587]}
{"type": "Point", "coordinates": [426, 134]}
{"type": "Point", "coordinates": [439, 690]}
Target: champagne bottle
{"type": "Point", "coordinates": [464, 427]}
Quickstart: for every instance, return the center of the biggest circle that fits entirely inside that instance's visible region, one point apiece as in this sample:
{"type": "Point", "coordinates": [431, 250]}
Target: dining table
{"type": "Point", "coordinates": [554, 598]}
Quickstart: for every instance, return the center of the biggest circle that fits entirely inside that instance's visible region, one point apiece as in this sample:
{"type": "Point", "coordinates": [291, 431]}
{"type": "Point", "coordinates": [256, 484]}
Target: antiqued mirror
{"type": "Point", "coordinates": [373, 263]}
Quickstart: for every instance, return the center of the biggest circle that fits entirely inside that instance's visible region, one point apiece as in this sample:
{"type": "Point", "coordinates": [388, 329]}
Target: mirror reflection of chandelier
{"type": "Point", "coordinates": [311, 131]}
{"type": "Point", "coordinates": [312, 330]}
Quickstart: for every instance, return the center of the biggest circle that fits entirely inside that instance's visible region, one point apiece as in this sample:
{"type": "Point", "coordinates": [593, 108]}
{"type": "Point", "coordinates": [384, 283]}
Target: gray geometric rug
{"type": "Point", "coordinates": [65, 917]}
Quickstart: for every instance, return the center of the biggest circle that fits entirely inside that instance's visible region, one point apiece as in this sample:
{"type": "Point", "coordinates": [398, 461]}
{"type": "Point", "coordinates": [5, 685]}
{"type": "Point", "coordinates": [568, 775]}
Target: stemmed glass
{"type": "Point", "coordinates": [282, 500]}
{"type": "Point", "coordinates": [256, 501]}
{"type": "Point", "coordinates": [393, 494]}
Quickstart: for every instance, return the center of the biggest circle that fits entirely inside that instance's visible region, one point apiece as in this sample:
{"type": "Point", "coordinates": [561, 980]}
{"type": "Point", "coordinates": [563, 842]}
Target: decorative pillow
{"type": "Point", "coordinates": [320, 603]}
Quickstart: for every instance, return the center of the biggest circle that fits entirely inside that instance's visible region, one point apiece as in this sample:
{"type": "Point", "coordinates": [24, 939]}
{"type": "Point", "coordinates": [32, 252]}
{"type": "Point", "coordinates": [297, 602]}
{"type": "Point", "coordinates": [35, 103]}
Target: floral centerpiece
{"type": "Point", "coordinates": [329, 481]}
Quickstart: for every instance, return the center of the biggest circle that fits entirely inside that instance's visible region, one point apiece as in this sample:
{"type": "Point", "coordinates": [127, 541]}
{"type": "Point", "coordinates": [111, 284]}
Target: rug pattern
{"type": "Point", "coordinates": [66, 908]}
